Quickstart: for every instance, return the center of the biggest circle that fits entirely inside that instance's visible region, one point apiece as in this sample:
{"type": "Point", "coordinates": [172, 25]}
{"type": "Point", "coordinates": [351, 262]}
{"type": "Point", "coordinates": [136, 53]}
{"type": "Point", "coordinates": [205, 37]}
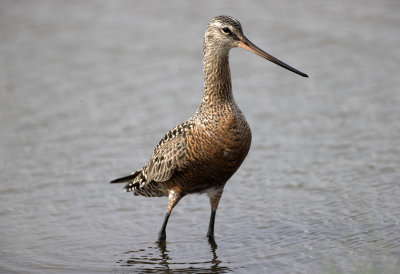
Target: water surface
{"type": "Point", "coordinates": [88, 89]}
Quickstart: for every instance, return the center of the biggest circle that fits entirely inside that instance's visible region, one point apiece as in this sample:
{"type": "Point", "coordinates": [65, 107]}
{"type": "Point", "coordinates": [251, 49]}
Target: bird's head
{"type": "Point", "coordinates": [225, 32]}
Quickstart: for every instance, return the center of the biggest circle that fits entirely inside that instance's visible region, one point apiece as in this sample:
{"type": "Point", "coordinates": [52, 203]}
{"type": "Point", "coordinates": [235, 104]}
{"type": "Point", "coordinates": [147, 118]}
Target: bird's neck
{"type": "Point", "coordinates": [217, 78]}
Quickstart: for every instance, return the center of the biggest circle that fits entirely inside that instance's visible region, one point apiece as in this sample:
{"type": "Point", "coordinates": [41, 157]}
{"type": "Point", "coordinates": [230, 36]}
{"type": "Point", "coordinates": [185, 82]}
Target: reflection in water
{"type": "Point", "coordinates": [154, 259]}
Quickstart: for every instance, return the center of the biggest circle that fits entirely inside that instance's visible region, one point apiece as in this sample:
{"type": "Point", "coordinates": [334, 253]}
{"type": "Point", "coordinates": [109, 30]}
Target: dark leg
{"type": "Point", "coordinates": [210, 233]}
{"type": "Point", "coordinates": [173, 199]}
{"type": "Point", "coordinates": [215, 195]}
{"type": "Point", "coordinates": [162, 235]}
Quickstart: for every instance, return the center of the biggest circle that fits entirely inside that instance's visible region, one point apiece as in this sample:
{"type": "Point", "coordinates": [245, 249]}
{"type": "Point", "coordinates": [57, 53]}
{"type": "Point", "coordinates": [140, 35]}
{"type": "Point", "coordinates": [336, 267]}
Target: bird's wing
{"type": "Point", "coordinates": [168, 154]}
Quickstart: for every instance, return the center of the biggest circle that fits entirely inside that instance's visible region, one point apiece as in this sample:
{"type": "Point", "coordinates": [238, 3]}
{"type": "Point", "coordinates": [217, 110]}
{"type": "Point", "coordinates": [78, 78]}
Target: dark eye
{"type": "Point", "coordinates": [226, 30]}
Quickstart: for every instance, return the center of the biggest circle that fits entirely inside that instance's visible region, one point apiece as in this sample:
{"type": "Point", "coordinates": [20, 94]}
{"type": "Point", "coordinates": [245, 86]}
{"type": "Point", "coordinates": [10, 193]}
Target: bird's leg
{"type": "Point", "coordinates": [215, 194]}
{"type": "Point", "coordinates": [210, 232]}
{"type": "Point", "coordinates": [173, 199]}
{"type": "Point", "coordinates": [161, 234]}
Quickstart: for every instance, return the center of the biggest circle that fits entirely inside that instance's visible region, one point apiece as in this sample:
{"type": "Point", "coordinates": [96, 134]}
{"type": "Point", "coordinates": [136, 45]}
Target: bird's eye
{"type": "Point", "coordinates": [226, 30]}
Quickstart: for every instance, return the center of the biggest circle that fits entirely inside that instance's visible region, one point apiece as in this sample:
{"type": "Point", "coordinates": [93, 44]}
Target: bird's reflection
{"type": "Point", "coordinates": [157, 258]}
{"type": "Point", "coordinates": [164, 255]}
{"type": "Point", "coordinates": [214, 262]}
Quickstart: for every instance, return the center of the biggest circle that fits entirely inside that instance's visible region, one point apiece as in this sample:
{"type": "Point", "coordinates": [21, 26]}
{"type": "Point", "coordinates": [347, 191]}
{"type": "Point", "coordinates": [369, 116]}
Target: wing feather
{"type": "Point", "coordinates": [168, 155]}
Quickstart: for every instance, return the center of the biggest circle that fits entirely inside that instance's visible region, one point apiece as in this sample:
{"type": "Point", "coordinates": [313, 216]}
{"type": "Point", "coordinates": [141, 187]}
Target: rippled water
{"type": "Point", "coordinates": [88, 88]}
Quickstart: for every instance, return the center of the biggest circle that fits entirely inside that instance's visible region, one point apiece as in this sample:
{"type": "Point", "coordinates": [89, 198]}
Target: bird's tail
{"type": "Point", "coordinates": [137, 182]}
{"type": "Point", "coordinates": [126, 178]}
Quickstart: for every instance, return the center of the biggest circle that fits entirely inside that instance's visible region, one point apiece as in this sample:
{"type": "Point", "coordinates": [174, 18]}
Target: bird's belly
{"type": "Point", "coordinates": [215, 154]}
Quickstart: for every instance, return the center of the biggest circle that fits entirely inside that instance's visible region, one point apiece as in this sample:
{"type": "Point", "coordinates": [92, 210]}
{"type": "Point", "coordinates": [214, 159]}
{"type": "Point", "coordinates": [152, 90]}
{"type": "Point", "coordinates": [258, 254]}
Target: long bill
{"type": "Point", "coordinates": [248, 45]}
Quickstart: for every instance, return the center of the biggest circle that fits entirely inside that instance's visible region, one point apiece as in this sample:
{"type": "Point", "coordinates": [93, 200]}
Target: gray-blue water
{"type": "Point", "coordinates": [87, 89]}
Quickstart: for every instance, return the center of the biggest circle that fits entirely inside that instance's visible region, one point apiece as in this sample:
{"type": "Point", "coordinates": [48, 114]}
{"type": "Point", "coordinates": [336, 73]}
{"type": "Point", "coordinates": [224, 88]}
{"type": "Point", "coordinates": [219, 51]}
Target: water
{"type": "Point", "coordinates": [88, 88]}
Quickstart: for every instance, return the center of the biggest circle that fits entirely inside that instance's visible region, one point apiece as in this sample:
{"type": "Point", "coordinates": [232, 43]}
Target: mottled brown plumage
{"type": "Point", "coordinates": [202, 153]}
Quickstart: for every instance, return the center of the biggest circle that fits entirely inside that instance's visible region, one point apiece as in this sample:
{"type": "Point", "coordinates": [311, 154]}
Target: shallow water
{"type": "Point", "coordinates": [88, 88]}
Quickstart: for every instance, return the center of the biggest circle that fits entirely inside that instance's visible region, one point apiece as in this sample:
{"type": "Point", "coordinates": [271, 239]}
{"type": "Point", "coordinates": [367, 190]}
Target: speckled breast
{"type": "Point", "coordinates": [216, 148]}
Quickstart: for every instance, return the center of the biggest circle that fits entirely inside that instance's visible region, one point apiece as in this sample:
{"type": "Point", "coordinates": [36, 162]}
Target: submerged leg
{"type": "Point", "coordinates": [215, 195]}
{"type": "Point", "coordinates": [173, 199]}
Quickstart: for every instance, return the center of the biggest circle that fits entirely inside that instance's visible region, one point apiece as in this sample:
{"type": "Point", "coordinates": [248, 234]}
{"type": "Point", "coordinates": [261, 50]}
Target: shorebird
{"type": "Point", "coordinates": [202, 153]}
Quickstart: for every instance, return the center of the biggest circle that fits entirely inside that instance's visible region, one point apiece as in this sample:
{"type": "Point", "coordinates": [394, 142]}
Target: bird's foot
{"type": "Point", "coordinates": [161, 237]}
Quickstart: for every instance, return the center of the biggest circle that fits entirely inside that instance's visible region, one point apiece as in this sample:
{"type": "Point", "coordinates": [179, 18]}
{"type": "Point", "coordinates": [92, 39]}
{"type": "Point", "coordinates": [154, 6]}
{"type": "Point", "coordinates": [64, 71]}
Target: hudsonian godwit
{"type": "Point", "coordinates": [202, 153]}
